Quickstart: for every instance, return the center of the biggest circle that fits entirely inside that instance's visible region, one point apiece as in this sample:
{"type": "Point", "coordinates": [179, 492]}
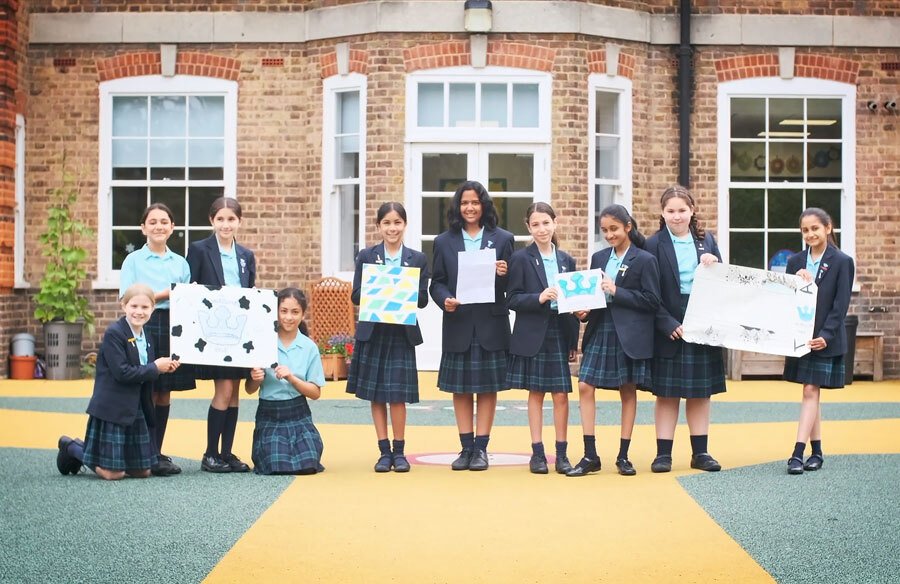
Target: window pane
{"type": "Point", "coordinates": [604, 196]}
{"type": "Point", "coordinates": [511, 213]}
{"type": "Point", "coordinates": [511, 173]}
{"type": "Point", "coordinates": [748, 161]}
{"type": "Point", "coordinates": [167, 115]}
{"type": "Point", "coordinates": [746, 208]}
{"type": "Point", "coordinates": [829, 201]}
{"type": "Point", "coordinates": [207, 116]}
{"type": "Point", "coordinates": [493, 105]}
{"type": "Point", "coordinates": [747, 249]}
{"type": "Point", "coordinates": [206, 153]}
{"type": "Point", "coordinates": [199, 201]}
{"type": "Point", "coordinates": [607, 157]}
{"type": "Point", "coordinates": [129, 159]}
{"type": "Point", "coordinates": [443, 172]}
{"type": "Point", "coordinates": [178, 242]}
{"type": "Point", "coordinates": [347, 117]}
{"type": "Point", "coordinates": [346, 164]}
{"type": "Point", "coordinates": [784, 208]}
{"type": "Point", "coordinates": [748, 117]}
{"type": "Point", "coordinates": [607, 112]}
{"type": "Point", "coordinates": [195, 235]}
{"type": "Point", "coordinates": [171, 196]}
{"type": "Point", "coordinates": [125, 241]}
{"type": "Point", "coordinates": [785, 162]}
{"type": "Point", "coordinates": [428, 250]}
{"type": "Point", "coordinates": [824, 162]}
{"type": "Point", "coordinates": [462, 105]}
{"type": "Point", "coordinates": [820, 115]}
{"type": "Point", "coordinates": [129, 116]}
{"type": "Point", "coordinates": [431, 105]}
{"type": "Point", "coordinates": [349, 233]}
{"type": "Point", "coordinates": [781, 247]}
{"type": "Point", "coordinates": [525, 105]}
{"type": "Point", "coordinates": [783, 110]}
{"type": "Point", "coordinates": [434, 215]}
{"type": "Point", "coordinates": [167, 159]}
{"type": "Point", "coordinates": [128, 204]}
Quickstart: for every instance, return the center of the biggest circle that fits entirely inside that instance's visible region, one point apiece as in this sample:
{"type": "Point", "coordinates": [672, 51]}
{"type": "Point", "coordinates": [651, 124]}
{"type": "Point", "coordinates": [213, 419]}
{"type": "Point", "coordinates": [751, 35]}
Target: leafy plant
{"type": "Point", "coordinates": [340, 344]}
{"type": "Point", "coordinates": [58, 297]}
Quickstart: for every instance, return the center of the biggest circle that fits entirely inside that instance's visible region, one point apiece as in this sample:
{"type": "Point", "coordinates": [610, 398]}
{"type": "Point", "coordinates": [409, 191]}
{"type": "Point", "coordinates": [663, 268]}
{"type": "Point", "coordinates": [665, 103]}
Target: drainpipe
{"type": "Point", "coordinates": [685, 87]}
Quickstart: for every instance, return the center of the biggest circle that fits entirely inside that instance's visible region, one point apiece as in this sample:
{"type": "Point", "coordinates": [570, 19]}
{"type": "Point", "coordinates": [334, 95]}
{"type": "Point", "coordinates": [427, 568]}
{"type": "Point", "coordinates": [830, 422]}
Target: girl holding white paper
{"type": "Point", "coordinates": [832, 271]}
{"type": "Point", "coordinates": [475, 336]}
{"type": "Point", "coordinates": [617, 348]}
{"type": "Point", "coordinates": [383, 370]}
{"type": "Point", "coordinates": [543, 340]}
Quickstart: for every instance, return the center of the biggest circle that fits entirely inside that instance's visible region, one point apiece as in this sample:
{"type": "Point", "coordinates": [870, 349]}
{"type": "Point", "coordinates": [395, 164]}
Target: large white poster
{"type": "Point", "coordinates": [750, 310]}
{"type": "Point", "coordinates": [230, 326]}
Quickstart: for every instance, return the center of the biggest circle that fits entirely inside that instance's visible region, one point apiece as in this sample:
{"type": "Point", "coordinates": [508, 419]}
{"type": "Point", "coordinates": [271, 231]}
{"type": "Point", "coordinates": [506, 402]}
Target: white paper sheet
{"type": "Point", "coordinates": [580, 291]}
{"type": "Point", "coordinates": [750, 310]}
{"type": "Point", "coordinates": [475, 276]}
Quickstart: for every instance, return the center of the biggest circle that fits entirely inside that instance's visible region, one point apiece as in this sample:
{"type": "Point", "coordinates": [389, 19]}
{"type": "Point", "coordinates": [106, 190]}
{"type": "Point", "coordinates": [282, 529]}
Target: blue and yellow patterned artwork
{"type": "Point", "coordinates": [390, 294]}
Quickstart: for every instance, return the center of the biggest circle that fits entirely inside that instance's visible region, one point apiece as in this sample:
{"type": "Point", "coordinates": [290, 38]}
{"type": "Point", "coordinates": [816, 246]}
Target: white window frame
{"type": "Point", "coordinates": [773, 87]}
{"type": "Point", "coordinates": [331, 215]}
{"type": "Point", "coordinates": [540, 134]}
{"type": "Point", "coordinates": [623, 185]}
{"type": "Point", "coordinates": [108, 278]}
{"type": "Point", "coordinates": [19, 214]}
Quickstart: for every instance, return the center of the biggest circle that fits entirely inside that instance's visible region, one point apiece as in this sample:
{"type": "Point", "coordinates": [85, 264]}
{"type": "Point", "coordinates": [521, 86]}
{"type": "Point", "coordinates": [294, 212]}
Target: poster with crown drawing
{"type": "Point", "coordinates": [750, 310]}
{"type": "Point", "coordinates": [389, 294]}
{"type": "Point", "coordinates": [230, 326]}
{"type": "Point", "coordinates": [579, 291]}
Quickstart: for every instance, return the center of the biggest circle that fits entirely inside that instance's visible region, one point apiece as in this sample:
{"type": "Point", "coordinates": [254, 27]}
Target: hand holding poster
{"type": "Point", "coordinates": [475, 277]}
{"type": "Point", "coordinates": [750, 310]}
{"type": "Point", "coordinates": [389, 294]}
{"type": "Point", "coordinates": [579, 291]}
{"type": "Point", "coordinates": [228, 326]}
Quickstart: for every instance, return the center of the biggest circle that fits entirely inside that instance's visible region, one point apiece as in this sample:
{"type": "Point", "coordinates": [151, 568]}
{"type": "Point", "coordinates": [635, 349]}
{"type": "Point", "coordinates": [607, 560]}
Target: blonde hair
{"type": "Point", "coordinates": [139, 290]}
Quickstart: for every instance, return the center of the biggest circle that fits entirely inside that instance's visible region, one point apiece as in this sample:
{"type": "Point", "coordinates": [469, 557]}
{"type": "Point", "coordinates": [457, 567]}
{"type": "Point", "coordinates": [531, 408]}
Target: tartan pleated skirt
{"type": "Point", "coordinates": [285, 441]}
{"type": "Point", "coordinates": [116, 447]}
{"type": "Point", "coordinates": [157, 329]}
{"type": "Point", "coordinates": [548, 370]}
{"type": "Point", "coordinates": [383, 369]}
{"type": "Point", "coordinates": [812, 369]}
{"type": "Point", "coordinates": [476, 370]}
{"type": "Point", "coordinates": [605, 364]}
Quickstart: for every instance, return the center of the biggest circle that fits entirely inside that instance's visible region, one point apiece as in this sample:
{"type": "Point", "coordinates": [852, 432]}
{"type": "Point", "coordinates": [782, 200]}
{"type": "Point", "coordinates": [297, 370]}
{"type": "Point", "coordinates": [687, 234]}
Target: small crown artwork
{"type": "Point", "coordinates": [806, 313]}
{"type": "Point", "coordinates": [220, 326]}
{"type": "Point", "coordinates": [579, 285]}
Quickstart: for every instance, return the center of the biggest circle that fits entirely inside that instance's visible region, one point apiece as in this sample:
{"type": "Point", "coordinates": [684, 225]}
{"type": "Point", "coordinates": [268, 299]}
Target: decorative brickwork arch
{"type": "Point", "coordinates": [147, 63]}
{"type": "Point", "coordinates": [805, 65]}
{"type": "Point", "coordinates": [499, 54]}
{"type": "Point", "coordinates": [359, 63]}
{"type": "Point", "coordinates": [437, 56]}
{"type": "Point", "coordinates": [597, 63]}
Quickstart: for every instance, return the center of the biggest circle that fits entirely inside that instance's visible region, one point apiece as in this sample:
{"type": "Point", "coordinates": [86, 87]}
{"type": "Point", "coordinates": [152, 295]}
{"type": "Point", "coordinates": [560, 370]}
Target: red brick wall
{"type": "Point", "coordinates": [9, 81]}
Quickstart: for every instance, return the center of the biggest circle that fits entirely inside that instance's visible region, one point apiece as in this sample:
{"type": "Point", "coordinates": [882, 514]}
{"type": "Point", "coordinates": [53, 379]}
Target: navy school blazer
{"type": "Point", "coordinates": [527, 280]}
{"type": "Point", "coordinates": [410, 259]}
{"type": "Point", "coordinates": [488, 322]}
{"type": "Point", "coordinates": [205, 261]}
{"type": "Point", "coordinates": [633, 308]}
{"type": "Point", "coordinates": [122, 386]}
{"type": "Point", "coordinates": [670, 315]}
{"type": "Point", "coordinates": [834, 280]}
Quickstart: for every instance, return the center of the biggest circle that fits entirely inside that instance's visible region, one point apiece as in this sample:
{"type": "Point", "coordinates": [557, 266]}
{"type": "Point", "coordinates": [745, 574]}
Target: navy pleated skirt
{"type": "Point", "coordinates": [116, 447]}
{"type": "Point", "coordinates": [157, 329]}
{"type": "Point", "coordinates": [548, 370]}
{"type": "Point", "coordinates": [285, 441]}
{"type": "Point", "coordinates": [474, 371]}
{"type": "Point", "coordinates": [383, 369]}
{"type": "Point", "coordinates": [813, 369]}
{"type": "Point", "coordinates": [604, 363]}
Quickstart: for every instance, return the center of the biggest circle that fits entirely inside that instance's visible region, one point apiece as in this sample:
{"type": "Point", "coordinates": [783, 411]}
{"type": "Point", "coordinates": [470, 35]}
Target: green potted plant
{"type": "Point", "coordinates": [58, 304]}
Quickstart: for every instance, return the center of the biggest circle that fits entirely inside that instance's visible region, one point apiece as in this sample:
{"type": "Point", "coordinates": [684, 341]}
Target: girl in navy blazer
{"type": "Point", "coordinates": [117, 440]}
{"type": "Point", "coordinates": [543, 341]}
{"type": "Point", "coordinates": [682, 370]}
{"type": "Point", "coordinates": [475, 337]}
{"type": "Point", "coordinates": [383, 370]}
{"type": "Point", "coordinates": [220, 261]}
{"type": "Point", "coordinates": [618, 343]}
{"type": "Point", "coordinates": [832, 271]}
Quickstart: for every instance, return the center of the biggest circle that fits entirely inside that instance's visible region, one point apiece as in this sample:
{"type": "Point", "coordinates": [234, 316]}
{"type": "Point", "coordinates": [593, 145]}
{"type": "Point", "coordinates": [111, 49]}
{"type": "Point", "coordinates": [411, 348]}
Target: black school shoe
{"type": "Point", "coordinates": [814, 462]}
{"type": "Point", "coordinates": [400, 463]}
{"type": "Point", "coordinates": [662, 463]}
{"type": "Point", "coordinates": [164, 467]}
{"type": "Point", "coordinates": [585, 465]}
{"type": "Point", "coordinates": [236, 464]}
{"type": "Point", "coordinates": [563, 466]}
{"type": "Point", "coordinates": [66, 463]}
{"type": "Point", "coordinates": [463, 461]}
{"type": "Point", "coordinates": [795, 466]}
{"type": "Point", "coordinates": [705, 462]}
{"type": "Point", "coordinates": [384, 464]}
{"type": "Point", "coordinates": [626, 469]}
{"type": "Point", "coordinates": [479, 460]}
{"type": "Point", "coordinates": [538, 464]}
{"type": "Point", "coordinates": [214, 464]}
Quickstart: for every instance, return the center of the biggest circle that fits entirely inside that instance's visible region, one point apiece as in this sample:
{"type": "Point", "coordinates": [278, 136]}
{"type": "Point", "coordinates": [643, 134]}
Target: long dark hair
{"type": "Point", "coordinates": [298, 295]}
{"type": "Point", "coordinates": [489, 217]}
{"type": "Point", "coordinates": [386, 208]}
{"type": "Point", "coordinates": [225, 203]}
{"type": "Point", "coordinates": [685, 195]}
{"type": "Point", "coordinates": [621, 214]}
{"type": "Point", "coordinates": [162, 207]}
{"type": "Point", "coordinates": [823, 217]}
{"type": "Point", "coordinates": [542, 207]}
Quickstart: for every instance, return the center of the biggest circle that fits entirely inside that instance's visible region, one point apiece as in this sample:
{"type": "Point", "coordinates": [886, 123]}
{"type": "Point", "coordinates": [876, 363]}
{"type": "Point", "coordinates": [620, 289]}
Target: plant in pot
{"type": "Point", "coordinates": [336, 353]}
{"type": "Point", "coordinates": [58, 304]}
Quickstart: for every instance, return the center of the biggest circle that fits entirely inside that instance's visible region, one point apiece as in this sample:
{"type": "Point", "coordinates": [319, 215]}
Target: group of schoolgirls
{"type": "Point", "coordinates": [129, 409]}
{"type": "Point", "coordinates": [634, 343]}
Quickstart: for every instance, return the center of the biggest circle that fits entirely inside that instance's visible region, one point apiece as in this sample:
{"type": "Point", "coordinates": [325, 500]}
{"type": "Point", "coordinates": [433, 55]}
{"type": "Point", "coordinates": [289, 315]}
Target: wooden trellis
{"type": "Point", "coordinates": [330, 309]}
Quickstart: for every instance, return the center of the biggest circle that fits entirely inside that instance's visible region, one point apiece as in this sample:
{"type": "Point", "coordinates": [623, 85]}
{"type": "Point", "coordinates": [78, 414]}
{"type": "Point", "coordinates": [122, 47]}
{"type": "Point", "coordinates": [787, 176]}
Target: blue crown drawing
{"type": "Point", "coordinates": [220, 326]}
{"type": "Point", "coordinates": [806, 313]}
{"type": "Point", "coordinates": [578, 285]}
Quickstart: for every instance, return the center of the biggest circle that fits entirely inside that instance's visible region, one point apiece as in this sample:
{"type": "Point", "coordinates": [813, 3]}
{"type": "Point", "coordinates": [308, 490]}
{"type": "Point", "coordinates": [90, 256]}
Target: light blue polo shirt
{"type": "Point", "coordinates": [612, 269]}
{"type": "Point", "coordinates": [472, 243]}
{"type": "Point", "coordinates": [551, 269]}
{"type": "Point", "coordinates": [140, 341]}
{"type": "Point", "coordinates": [157, 271]}
{"type": "Point", "coordinates": [393, 260]}
{"type": "Point", "coordinates": [302, 358]}
{"type": "Point", "coordinates": [686, 253]}
{"type": "Point", "coordinates": [230, 265]}
{"type": "Point", "coordinates": [813, 266]}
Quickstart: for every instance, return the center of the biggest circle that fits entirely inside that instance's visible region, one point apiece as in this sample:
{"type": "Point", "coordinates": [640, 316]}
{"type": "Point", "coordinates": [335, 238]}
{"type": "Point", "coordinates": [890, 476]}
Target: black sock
{"type": "Point", "coordinates": [162, 420]}
{"type": "Point", "coordinates": [481, 442]}
{"type": "Point", "coordinates": [398, 446]}
{"type": "Point", "coordinates": [215, 421]}
{"type": "Point", "coordinates": [467, 440]}
{"type": "Point", "coordinates": [624, 443]}
{"type": "Point", "coordinates": [816, 446]}
{"type": "Point", "coordinates": [699, 444]}
{"type": "Point", "coordinates": [537, 448]}
{"type": "Point", "coordinates": [76, 451]}
{"type": "Point", "coordinates": [561, 448]}
{"type": "Point", "coordinates": [799, 447]}
{"type": "Point", "coordinates": [664, 447]}
{"type": "Point", "coordinates": [231, 418]}
{"type": "Point", "coordinates": [590, 446]}
{"type": "Point", "coordinates": [384, 446]}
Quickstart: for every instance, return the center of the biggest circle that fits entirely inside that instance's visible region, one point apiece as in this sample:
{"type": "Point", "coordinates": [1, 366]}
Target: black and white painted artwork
{"type": "Point", "coordinates": [231, 326]}
{"type": "Point", "coordinates": [750, 310]}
